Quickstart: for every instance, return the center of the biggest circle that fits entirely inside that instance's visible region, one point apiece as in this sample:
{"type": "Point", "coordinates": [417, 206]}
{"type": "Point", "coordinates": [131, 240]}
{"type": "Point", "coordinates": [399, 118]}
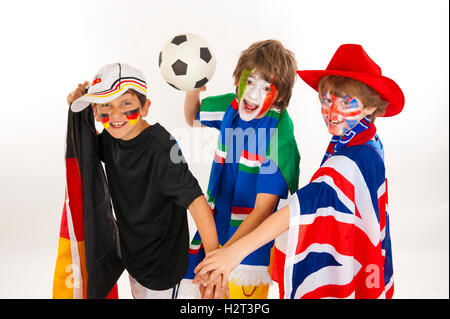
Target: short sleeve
{"type": "Point", "coordinates": [176, 179]}
{"type": "Point", "coordinates": [271, 181]}
{"type": "Point", "coordinates": [213, 109]}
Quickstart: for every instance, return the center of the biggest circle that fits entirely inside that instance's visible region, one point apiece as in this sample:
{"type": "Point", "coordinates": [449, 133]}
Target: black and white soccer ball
{"type": "Point", "coordinates": [187, 62]}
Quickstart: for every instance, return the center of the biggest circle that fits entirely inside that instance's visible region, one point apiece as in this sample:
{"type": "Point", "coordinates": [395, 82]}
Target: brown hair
{"type": "Point", "coordinates": [341, 86]}
{"type": "Point", "coordinates": [141, 97]}
{"type": "Point", "coordinates": [274, 63]}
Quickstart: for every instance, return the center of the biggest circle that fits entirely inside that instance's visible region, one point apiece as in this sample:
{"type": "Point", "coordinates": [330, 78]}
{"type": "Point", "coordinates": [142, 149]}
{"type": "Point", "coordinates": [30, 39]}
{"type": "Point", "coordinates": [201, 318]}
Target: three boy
{"type": "Point", "coordinates": [339, 242]}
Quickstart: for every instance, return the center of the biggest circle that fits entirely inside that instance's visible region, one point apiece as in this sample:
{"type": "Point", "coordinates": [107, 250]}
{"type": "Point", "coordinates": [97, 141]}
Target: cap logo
{"type": "Point", "coordinates": [97, 79]}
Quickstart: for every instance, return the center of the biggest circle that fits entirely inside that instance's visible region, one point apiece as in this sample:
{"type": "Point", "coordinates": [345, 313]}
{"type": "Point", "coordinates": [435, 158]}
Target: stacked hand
{"type": "Point", "coordinates": [211, 289]}
{"type": "Point", "coordinates": [214, 270]}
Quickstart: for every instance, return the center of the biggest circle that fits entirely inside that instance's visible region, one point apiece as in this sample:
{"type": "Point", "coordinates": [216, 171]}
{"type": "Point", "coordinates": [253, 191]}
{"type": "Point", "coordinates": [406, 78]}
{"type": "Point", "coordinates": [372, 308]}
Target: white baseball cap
{"type": "Point", "coordinates": [110, 82]}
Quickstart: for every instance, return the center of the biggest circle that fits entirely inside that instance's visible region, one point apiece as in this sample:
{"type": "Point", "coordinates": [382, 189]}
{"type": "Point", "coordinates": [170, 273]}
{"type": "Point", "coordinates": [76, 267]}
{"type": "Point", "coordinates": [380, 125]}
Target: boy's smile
{"type": "Point", "coordinates": [122, 116]}
{"type": "Point", "coordinates": [256, 95]}
{"type": "Point", "coordinates": [249, 107]}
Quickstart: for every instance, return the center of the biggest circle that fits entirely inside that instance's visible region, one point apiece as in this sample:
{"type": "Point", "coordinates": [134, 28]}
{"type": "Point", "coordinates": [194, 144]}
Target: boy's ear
{"type": "Point", "coordinates": [369, 109]}
{"type": "Point", "coordinates": [145, 107]}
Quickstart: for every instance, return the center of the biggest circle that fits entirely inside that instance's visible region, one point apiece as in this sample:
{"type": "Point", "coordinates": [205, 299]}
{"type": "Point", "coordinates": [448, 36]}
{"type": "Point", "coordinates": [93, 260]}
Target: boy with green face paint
{"type": "Point", "coordinates": [256, 161]}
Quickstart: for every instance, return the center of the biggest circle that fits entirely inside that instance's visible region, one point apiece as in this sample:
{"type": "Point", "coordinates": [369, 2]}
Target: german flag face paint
{"type": "Point", "coordinates": [255, 95]}
{"type": "Point", "coordinates": [132, 116]}
{"type": "Point", "coordinates": [104, 118]}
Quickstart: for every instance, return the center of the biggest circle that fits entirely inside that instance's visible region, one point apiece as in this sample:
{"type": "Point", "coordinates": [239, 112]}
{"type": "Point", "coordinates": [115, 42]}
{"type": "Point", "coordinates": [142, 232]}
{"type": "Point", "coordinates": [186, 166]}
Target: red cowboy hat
{"type": "Point", "coordinates": [352, 61]}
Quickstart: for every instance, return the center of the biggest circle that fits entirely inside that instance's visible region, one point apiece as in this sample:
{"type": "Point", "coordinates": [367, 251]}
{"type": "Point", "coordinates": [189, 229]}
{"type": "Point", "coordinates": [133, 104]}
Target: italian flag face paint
{"type": "Point", "coordinates": [243, 83]}
{"type": "Point", "coordinates": [255, 95]}
{"type": "Point", "coordinates": [132, 116]}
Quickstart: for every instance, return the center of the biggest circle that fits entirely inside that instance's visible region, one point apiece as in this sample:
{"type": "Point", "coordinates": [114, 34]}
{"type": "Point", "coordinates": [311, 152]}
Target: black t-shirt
{"type": "Point", "coordinates": [150, 194]}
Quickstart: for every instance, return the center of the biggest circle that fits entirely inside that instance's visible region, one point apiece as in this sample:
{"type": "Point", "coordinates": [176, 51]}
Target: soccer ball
{"type": "Point", "coordinates": [187, 62]}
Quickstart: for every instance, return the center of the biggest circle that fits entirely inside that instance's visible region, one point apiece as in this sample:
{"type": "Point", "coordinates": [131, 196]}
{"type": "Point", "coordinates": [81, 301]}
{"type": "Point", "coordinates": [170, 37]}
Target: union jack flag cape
{"type": "Point", "coordinates": [88, 263]}
{"type": "Point", "coordinates": [338, 243]}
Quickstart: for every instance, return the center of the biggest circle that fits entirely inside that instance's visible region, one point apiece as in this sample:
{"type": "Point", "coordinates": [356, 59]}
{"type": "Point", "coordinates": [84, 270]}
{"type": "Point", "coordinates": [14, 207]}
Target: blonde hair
{"type": "Point", "coordinates": [274, 63]}
{"type": "Point", "coordinates": [341, 86]}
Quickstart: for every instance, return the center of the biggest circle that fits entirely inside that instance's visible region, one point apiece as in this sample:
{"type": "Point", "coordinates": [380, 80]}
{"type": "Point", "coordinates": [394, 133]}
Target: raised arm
{"type": "Point", "coordinates": [78, 92]}
{"type": "Point", "coordinates": [192, 105]}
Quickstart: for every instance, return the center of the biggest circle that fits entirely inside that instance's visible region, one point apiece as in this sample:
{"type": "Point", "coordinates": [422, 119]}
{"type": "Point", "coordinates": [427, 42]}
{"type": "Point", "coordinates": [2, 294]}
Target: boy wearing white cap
{"type": "Point", "coordinates": [150, 191]}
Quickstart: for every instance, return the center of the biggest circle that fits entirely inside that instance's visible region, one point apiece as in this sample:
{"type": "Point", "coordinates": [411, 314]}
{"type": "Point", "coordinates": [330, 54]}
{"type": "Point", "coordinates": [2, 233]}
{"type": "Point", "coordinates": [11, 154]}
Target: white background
{"type": "Point", "coordinates": [47, 47]}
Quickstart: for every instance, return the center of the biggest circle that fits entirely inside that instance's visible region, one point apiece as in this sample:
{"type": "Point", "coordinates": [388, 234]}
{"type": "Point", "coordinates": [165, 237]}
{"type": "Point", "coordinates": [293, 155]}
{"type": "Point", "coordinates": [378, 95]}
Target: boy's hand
{"type": "Point", "coordinates": [213, 289]}
{"type": "Point", "coordinates": [78, 92]}
{"type": "Point", "coordinates": [219, 263]}
{"type": "Point", "coordinates": [203, 88]}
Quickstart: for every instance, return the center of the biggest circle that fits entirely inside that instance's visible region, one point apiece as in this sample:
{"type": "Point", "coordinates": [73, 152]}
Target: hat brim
{"type": "Point", "coordinates": [82, 102]}
{"type": "Point", "coordinates": [387, 88]}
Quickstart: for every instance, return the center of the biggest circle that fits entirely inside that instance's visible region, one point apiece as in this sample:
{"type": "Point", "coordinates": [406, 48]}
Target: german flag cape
{"type": "Point", "coordinates": [88, 263]}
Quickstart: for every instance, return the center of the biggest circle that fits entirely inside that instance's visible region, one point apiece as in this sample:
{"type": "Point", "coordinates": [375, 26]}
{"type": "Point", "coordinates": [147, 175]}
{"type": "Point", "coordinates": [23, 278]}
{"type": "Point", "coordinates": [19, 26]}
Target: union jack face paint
{"type": "Point", "coordinates": [255, 95]}
{"type": "Point", "coordinates": [341, 114]}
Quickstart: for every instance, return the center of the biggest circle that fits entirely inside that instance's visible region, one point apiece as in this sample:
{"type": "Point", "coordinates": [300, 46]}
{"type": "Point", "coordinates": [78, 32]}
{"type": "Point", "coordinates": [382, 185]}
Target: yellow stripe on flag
{"type": "Point", "coordinates": [64, 279]}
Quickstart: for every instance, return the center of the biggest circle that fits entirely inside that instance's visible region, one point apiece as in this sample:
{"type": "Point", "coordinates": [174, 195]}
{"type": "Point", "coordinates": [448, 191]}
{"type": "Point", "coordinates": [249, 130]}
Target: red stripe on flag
{"type": "Point", "coordinates": [64, 230]}
{"type": "Point", "coordinates": [347, 239]}
{"type": "Point", "coordinates": [387, 198]}
{"type": "Point", "coordinates": [235, 104]}
{"type": "Point", "coordinates": [219, 159]}
{"type": "Point", "coordinates": [195, 251]}
{"type": "Point", "coordinates": [75, 193]}
{"type": "Point", "coordinates": [331, 291]}
{"type": "Point", "coordinates": [279, 259]}
{"type": "Point", "coordinates": [114, 293]}
{"type": "Point", "coordinates": [253, 157]}
{"type": "Point", "coordinates": [341, 182]}
{"type": "Point", "coordinates": [241, 210]}
{"type": "Point", "coordinates": [390, 292]}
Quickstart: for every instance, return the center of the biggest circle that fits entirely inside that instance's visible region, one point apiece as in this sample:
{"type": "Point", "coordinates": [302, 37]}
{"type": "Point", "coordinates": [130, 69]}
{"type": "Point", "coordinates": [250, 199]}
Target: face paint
{"type": "Point", "coordinates": [132, 116]}
{"type": "Point", "coordinates": [104, 118]}
{"type": "Point", "coordinates": [255, 95]}
{"type": "Point", "coordinates": [243, 83]}
{"type": "Point", "coordinates": [341, 114]}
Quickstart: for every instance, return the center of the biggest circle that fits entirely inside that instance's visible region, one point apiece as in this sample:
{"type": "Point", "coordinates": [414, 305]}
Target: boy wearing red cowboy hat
{"type": "Point", "coordinates": [338, 240]}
